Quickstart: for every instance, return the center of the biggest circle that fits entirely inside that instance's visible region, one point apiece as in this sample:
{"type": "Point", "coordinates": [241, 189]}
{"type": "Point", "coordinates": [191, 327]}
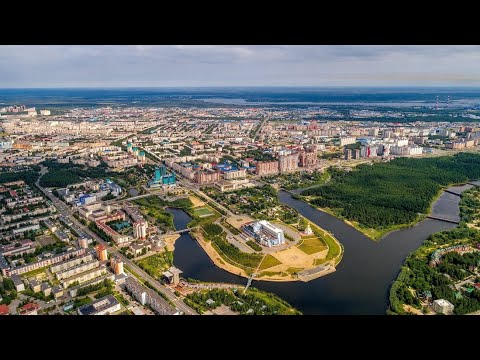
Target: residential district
{"type": "Point", "coordinates": [86, 193]}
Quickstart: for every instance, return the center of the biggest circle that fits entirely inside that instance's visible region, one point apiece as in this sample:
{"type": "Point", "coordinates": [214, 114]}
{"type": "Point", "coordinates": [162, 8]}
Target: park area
{"type": "Point", "coordinates": [202, 212]}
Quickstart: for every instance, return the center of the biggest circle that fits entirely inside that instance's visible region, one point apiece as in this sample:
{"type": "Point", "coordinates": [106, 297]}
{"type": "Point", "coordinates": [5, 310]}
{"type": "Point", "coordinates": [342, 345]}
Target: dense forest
{"type": "Point", "coordinates": [61, 175]}
{"type": "Point", "coordinates": [28, 176]}
{"type": "Point", "coordinates": [386, 194]}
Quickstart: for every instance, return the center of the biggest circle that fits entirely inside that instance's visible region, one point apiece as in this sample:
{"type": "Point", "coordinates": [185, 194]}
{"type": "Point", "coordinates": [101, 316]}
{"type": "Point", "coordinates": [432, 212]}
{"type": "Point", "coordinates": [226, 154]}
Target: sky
{"type": "Point", "coordinates": [237, 65]}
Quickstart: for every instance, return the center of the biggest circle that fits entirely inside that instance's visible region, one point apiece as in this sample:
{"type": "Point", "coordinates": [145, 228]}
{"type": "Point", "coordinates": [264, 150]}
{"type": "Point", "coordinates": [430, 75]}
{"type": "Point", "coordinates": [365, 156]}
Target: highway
{"type": "Point", "coordinates": [63, 209]}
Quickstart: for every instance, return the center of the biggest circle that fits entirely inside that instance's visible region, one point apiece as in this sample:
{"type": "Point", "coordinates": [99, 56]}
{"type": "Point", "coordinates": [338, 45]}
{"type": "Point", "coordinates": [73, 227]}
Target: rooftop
{"type": "Point", "coordinates": [99, 305]}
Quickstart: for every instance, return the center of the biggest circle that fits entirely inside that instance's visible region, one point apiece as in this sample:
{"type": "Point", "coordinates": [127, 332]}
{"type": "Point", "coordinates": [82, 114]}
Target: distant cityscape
{"type": "Point", "coordinates": [89, 201]}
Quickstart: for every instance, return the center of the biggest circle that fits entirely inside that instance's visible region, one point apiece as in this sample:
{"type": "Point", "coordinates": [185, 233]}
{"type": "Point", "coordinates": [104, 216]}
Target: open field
{"type": "Point", "coordinates": [196, 201]}
{"type": "Point", "coordinates": [268, 262]}
{"type": "Point", "coordinates": [238, 220]}
{"type": "Point", "coordinates": [203, 212]}
{"type": "Point", "coordinates": [294, 257]}
{"type": "Point", "coordinates": [311, 244]}
{"type": "Point", "coordinates": [45, 240]}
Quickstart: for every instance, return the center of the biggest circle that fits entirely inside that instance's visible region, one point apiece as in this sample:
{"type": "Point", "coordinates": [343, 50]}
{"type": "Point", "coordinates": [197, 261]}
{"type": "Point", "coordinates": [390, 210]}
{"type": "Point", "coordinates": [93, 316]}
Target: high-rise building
{"type": "Point", "coordinates": [117, 264]}
{"type": "Point", "coordinates": [140, 230]}
{"type": "Point", "coordinates": [308, 158]}
{"type": "Point", "coordinates": [101, 252]}
{"type": "Point", "coordinates": [347, 140]}
{"type": "Point", "coordinates": [206, 177]}
{"type": "Point", "coordinates": [162, 178]}
{"type": "Point", "coordinates": [83, 243]}
{"type": "Point", "coordinates": [347, 153]}
{"type": "Point", "coordinates": [356, 154]}
{"type": "Point", "coordinates": [287, 163]}
{"type": "Point", "coordinates": [266, 168]}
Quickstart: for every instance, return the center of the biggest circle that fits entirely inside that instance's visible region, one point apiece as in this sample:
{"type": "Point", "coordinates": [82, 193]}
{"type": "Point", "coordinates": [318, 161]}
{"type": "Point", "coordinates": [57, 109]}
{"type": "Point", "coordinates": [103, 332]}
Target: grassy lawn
{"type": "Point", "coordinates": [199, 221]}
{"type": "Point", "coordinates": [293, 270]}
{"type": "Point", "coordinates": [376, 234]}
{"type": "Point", "coordinates": [334, 248]}
{"type": "Point", "coordinates": [311, 245]}
{"type": "Point", "coordinates": [254, 245]}
{"type": "Point", "coordinates": [78, 302]}
{"type": "Point", "coordinates": [35, 272]}
{"type": "Point", "coordinates": [268, 262]}
{"type": "Point", "coordinates": [156, 264]}
{"type": "Point", "coordinates": [203, 212]}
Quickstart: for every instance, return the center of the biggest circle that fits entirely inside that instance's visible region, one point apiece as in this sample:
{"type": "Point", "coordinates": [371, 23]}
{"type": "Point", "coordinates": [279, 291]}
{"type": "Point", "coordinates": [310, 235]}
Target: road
{"type": "Point", "coordinates": [232, 239]}
{"type": "Point", "coordinates": [254, 137]}
{"type": "Point", "coordinates": [180, 305]}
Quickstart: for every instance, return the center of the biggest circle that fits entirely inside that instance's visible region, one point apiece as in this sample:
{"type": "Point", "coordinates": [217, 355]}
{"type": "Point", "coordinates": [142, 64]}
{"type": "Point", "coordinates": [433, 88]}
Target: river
{"type": "Point", "coordinates": [363, 278]}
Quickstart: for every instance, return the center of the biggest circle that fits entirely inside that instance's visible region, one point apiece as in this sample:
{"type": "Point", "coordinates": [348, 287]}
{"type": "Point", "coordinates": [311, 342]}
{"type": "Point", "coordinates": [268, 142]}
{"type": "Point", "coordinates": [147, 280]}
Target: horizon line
{"type": "Point", "coordinates": [245, 86]}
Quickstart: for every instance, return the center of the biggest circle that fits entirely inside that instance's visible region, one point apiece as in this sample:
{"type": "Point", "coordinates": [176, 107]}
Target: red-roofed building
{"type": "Point", "coordinates": [29, 309]}
{"type": "Point", "coordinates": [4, 310]}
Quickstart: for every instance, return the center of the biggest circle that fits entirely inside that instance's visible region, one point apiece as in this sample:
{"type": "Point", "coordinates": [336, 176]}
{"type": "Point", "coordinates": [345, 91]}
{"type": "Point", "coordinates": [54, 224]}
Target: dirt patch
{"type": "Point", "coordinates": [412, 310]}
{"type": "Point", "coordinates": [196, 201]}
{"type": "Point", "coordinates": [170, 241]}
{"type": "Point", "coordinates": [238, 220]}
{"type": "Point", "coordinates": [294, 257]}
{"type": "Point", "coordinates": [45, 240]}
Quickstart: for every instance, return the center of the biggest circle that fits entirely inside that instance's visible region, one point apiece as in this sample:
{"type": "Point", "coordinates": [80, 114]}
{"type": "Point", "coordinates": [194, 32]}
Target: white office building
{"type": "Point", "coordinates": [268, 234]}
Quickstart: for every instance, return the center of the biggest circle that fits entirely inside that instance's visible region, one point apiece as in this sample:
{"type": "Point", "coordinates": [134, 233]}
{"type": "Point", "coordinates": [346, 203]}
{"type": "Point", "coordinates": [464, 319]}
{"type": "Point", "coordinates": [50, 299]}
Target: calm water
{"type": "Point", "coordinates": [362, 280]}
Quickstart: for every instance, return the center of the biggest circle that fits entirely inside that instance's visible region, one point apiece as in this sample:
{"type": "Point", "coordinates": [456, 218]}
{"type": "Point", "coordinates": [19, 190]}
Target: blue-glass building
{"type": "Point", "coordinates": [161, 177]}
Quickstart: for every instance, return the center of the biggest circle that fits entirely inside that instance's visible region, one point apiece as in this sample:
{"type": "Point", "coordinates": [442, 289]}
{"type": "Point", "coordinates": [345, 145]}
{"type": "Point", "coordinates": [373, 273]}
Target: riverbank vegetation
{"type": "Point", "coordinates": [385, 195]}
{"type": "Point", "coordinates": [253, 302]}
{"type": "Point", "coordinates": [454, 275]}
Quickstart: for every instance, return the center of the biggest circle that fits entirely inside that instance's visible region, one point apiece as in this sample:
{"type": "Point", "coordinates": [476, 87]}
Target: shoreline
{"type": "Point", "coordinates": [393, 228]}
{"type": "Point", "coordinates": [217, 260]}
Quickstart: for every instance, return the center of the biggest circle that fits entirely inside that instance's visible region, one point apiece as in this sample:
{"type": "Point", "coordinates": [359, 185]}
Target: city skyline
{"type": "Point", "coordinates": [62, 66]}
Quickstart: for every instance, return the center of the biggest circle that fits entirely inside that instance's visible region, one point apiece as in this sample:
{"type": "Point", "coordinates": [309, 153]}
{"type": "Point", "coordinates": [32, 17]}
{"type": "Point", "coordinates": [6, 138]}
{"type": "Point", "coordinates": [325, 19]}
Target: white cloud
{"type": "Point", "coordinates": [237, 65]}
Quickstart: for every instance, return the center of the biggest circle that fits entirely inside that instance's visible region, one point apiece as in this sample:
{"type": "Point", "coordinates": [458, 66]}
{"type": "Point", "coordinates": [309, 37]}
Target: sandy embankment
{"type": "Point", "coordinates": [170, 241]}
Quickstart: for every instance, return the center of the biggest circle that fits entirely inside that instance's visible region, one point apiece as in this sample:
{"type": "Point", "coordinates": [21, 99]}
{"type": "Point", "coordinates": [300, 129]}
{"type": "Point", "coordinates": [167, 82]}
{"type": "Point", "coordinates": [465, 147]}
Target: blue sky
{"type": "Point", "coordinates": [238, 65]}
